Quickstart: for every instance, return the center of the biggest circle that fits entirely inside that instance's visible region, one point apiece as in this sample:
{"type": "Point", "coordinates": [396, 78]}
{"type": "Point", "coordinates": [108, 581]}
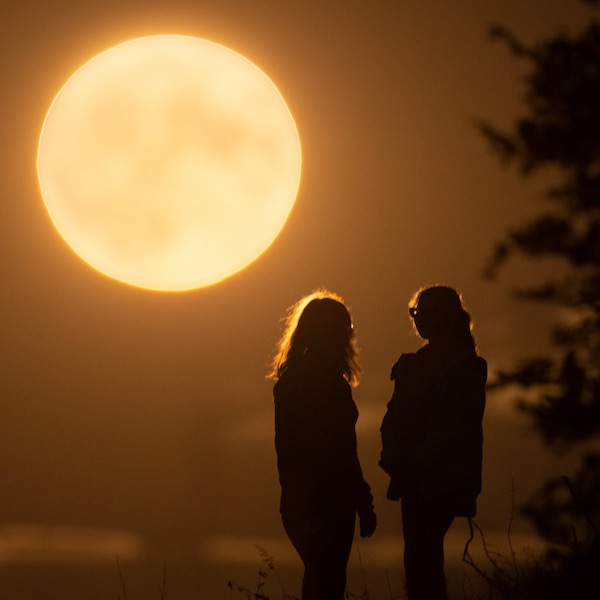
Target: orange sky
{"type": "Point", "coordinates": [148, 414]}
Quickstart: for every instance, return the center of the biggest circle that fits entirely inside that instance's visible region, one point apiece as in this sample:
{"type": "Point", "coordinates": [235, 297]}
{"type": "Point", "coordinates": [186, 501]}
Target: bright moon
{"type": "Point", "coordinates": [169, 162]}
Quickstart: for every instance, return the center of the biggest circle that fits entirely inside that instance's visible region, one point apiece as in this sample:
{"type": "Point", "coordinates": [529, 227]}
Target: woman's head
{"type": "Point", "coordinates": [318, 325]}
{"type": "Point", "coordinates": [438, 314]}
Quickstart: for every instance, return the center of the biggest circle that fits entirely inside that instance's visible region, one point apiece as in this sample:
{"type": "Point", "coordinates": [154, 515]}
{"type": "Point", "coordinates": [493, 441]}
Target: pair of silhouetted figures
{"type": "Point", "coordinates": [431, 438]}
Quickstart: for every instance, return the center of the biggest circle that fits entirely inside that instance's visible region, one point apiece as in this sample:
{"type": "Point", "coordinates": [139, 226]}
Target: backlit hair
{"type": "Point", "coordinates": [321, 312]}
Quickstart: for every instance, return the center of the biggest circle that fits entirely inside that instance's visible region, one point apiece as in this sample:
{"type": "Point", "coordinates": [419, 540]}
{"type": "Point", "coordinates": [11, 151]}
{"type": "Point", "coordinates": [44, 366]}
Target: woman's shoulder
{"type": "Point", "coordinates": [405, 363]}
{"type": "Point", "coordinates": [475, 362]}
{"type": "Point", "coordinates": [470, 367]}
{"type": "Point", "coordinates": [311, 375]}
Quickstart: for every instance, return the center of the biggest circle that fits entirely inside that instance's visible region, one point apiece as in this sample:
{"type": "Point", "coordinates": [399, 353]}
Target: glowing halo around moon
{"type": "Point", "coordinates": [169, 162]}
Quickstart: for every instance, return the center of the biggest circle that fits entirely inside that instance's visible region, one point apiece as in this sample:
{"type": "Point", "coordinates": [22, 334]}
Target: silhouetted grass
{"type": "Point", "coordinates": [555, 573]}
{"type": "Point", "coordinates": [558, 573]}
{"type": "Point", "coordinates": [162, 587]}
{"type": "Point", "coordinates": [505, 577]}
{"type": "Point", "coordinates": [259, 592]}
{"type": "Point", "coordinates": [542, 575]}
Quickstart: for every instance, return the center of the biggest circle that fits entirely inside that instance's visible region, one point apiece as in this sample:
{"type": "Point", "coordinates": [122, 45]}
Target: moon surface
{"type": "Point", "coordinates": [169, 162]}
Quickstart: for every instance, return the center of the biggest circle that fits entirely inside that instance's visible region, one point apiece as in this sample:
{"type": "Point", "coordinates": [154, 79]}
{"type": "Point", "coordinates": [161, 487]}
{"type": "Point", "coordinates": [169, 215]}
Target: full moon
{"type": "Point", "coordinates": [169, 162]}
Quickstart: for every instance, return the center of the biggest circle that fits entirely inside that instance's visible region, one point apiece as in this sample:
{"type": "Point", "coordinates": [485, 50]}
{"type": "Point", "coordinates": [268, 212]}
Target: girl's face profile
{"type": "Point", "coordinates": [431, 320]}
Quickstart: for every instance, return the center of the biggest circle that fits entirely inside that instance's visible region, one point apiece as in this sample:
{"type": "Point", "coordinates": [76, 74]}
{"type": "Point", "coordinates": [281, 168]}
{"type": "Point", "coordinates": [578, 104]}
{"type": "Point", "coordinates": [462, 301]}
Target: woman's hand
{"type": "Point", "coordinates": [368, 522]}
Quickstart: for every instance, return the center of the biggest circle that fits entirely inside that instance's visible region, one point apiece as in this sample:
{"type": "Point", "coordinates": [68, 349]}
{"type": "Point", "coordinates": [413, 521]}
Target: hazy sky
{"type": "Point", "coordinates": [147, 415]}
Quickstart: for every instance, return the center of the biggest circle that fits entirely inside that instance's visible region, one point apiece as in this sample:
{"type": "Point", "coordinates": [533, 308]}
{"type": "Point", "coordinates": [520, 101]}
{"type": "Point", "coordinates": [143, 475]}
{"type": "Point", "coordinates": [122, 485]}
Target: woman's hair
{"type": "Point", "coordinates": [318, 322]}
{"type": "Point", "coordinates": [450, 309]}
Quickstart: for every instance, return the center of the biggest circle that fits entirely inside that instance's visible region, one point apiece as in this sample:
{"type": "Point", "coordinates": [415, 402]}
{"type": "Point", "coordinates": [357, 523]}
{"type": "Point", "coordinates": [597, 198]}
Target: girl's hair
{"type": "Point", "coordinates": [318, 321]}
{"type": "Point", "coordinates": [450, 308]}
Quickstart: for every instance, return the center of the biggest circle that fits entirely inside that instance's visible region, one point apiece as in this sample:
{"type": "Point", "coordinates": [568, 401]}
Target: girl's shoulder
{"type": "Point", "coordinates": [472, 367]}
{"type": "Point", "coordinates": [404, 364]}
{"type": "Point", "coordinates": [310, 375]}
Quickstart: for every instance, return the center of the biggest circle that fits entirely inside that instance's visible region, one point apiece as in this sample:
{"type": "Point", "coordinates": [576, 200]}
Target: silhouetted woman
{"type": "Point", "coordinates": [322, 486]}
{"type": "Point", "coordinates": [432, 435]}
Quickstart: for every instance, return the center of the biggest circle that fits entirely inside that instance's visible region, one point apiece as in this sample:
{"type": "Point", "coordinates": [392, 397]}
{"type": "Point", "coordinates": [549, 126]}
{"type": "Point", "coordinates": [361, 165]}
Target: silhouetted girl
{"type": "Point", "coordinates": [432, 435]}
{"type": "Point", "coordinates": [322, 486]}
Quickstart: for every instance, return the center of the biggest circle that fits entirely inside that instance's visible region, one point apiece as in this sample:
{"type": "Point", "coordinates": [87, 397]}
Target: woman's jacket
{"type": "Point", "coordinates": [432, 436]}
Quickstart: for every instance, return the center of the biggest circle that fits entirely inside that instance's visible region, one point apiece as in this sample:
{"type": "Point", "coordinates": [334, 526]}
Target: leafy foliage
{"type": "Point", "coordinates": [560, 132]}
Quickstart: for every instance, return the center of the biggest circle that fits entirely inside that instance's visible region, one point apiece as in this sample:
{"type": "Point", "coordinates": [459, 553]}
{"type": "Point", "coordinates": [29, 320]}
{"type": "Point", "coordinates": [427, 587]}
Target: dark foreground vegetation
{"type": "Point", "coordinates": [558, 573]}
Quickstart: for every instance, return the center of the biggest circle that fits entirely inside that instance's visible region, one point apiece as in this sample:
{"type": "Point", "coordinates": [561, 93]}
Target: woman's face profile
{"type": "Point", "coordinates": [430, 319]}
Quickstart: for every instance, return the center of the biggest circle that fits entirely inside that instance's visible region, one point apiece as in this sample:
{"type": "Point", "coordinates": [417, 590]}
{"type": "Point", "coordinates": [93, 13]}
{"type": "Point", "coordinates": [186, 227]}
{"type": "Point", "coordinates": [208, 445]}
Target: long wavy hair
{"type": "Point", "coordinates": [318, 322]}
{"type": "Point", "coordinates": [449, 307]}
